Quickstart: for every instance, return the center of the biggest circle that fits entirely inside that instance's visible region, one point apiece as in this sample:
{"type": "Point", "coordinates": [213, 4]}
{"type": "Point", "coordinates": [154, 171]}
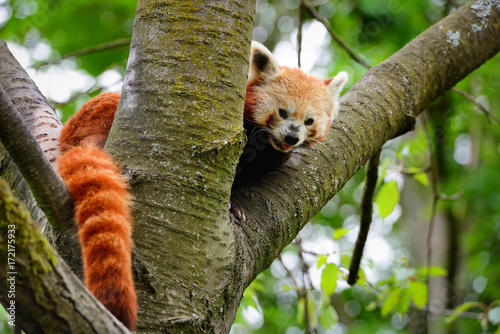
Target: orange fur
{"type": "Point", "coordinates": [310, 103]}
{"type": "Point", "coordinates": [91, 124]}
{"type": "Point", "coordinates": [102, 207]}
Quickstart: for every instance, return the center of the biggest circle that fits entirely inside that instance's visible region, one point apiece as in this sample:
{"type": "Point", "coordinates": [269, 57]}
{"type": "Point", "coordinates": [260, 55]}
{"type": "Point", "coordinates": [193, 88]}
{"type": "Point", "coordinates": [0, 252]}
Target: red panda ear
{"type": "Point", "coordinates": [262, 63]}
{"type": "Point", "coordinates": [327, 81]}
{"type": "Point", "coordinates": [336, 84]}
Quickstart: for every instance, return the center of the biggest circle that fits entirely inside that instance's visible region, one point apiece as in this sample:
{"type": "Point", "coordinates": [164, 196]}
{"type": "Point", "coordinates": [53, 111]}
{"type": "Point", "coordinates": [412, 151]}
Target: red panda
{"type": "Point", "coordinates": [284, 109]}
{"type": "Point", "coordinates": [102, 206]}
{"type": "Point", "coordinates": [293, 107]}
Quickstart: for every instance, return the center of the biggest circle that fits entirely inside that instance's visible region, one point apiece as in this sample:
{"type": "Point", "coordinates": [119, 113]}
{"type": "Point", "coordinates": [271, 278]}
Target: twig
{"type": "Point", "coordinates": [301, 290]}
{"type": "Point", "coordinates": [93, 49]}
{"type": "Point", "coordinates": [337, 38]}
{"type": "Point", "coordinates": [435, 198]}
{"type": "Point", "coordinates": [305, 272]}
{"type": "Point", "coordinates": [365, 217]}
{"type": "Point", "coordinates": [49, 189]}
{"type": "Point", "coordinates": [299, 33]}
{"type": "Point", "coordinates": [471, 98]}
{"type": "Point", "coordinates": [93, 89]}
{"type": "Point", "coordinates": [289, 273]}
{"type": "Point", "coordinates": [442, 311]}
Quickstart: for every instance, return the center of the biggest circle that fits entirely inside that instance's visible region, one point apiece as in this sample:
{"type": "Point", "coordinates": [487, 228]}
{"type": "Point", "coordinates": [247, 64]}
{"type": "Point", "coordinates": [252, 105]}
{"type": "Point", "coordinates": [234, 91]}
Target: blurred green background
{"type": "Point", "coordinates": [305, 290]}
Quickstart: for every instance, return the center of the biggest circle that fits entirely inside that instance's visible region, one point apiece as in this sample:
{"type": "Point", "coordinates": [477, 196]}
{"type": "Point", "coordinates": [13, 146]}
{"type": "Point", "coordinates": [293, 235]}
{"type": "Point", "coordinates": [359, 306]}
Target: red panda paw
{"type": "Point", "coordinates": [237, 212]}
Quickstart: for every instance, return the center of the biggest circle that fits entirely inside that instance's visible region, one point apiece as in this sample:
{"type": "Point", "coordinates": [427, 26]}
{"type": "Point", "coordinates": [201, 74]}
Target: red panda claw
{"type": "Point", "coordinates": [237, 212]}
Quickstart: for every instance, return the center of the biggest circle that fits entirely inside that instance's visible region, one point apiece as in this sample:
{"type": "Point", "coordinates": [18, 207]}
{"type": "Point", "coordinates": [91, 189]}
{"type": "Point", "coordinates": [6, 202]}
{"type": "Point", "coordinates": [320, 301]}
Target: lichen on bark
{"type": "Point", "coordinates": [180, 113]}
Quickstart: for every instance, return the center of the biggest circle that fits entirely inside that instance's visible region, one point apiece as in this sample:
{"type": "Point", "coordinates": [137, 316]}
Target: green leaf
{"type": "Point", "coordinates": [422, 178]}
{"type": "Point", "coordinates": [459, 310]}
{"type": "Point", "coordinates": [345, 260]}
{"type": "Point", "coordinates": [311, 309]}
{"type": "Point", "coordinates": [418, 293]}
{"type": "Point", "coordinates": [391, 302]}
{"type": "Point", "coordinates": [371, 306]}
{"type": "Point", "coordinates": [433, 271]}
{"type": "Point", "coordinates": [321, 260]}
{"type": "Point", "coordinates": [340, 232]}
{"type": "Point", "coordinates": [387, 198]}
{"type": "Point", "coordinates": [494, 315]}
{"type": "Point", "coordinates": [301, 311]}
{"type": "Point", "coordinates": [390, 280]}
{"type": "Point", "coordinates": [328, 317]}
{"type": "Point", "coordinates": [404, 302]}
{"type": "Point", "coordinates": [329, 279]}
{"type": "Point", "coordinates": [361, 281]}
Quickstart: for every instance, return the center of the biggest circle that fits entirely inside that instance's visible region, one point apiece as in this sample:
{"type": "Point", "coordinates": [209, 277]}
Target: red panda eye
{"type": "Point", "coordinates": [309, 121]}
{"type": "Point", "coordinates": [283, 113]}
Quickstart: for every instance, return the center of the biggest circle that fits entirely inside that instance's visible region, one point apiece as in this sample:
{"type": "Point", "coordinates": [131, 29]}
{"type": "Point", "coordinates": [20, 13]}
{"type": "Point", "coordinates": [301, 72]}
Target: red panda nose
{"type": "Point", "coordinates": [292, 138]}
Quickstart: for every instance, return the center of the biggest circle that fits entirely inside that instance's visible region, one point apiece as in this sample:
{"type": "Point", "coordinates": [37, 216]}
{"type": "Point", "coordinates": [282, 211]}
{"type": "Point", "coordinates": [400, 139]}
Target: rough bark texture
{"type": "Point", "coordinates": [41, 119]}
{"type": "Point", "coordinates": [37, 289]}
{"type": "Point", "coordinates": [44, 126]}
{"type": "Point", "coordinates": [180, 115]}
{"type": "Point", "coordinates": [191, 263]}
{"type": "Point", "coordinates": [178, 133]}
{"type": "Point", "coordinates": [47, 186]}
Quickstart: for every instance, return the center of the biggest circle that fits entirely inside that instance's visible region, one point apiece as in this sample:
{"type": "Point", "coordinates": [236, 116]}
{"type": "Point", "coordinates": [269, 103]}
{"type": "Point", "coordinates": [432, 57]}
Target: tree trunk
{"type": "Point", "coordinates": [180, 116]}
{"type": "Point", "coordinates": [178, 134]}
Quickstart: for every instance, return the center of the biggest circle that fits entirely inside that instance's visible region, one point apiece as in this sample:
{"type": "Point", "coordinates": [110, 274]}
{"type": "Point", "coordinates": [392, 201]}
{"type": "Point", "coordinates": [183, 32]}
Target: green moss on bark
{"type": "Point", "coordinates": [32, 251]}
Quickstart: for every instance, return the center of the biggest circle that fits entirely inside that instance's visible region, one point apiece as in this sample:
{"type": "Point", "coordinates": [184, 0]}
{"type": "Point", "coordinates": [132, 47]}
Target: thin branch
{"type": "Point", "coordinates": [435, 199]}
{"type": "Point", "coordinates": [92, 90]}
{"type": "Point", "coordinates": [305, 273]}
{"type": "Point", "coordinates": [288, 272]}
{"type": "Point", "coordinates": [299, 32]}
{"type": "Point", "coordinates": [442, 311]}
{"type": "Point", "coordinates": [471, 98]}
{"type": "Point", "coordinates": [365, 217]}
{"type": "Point", "coordinates": [47, 186]}
{"type": "Point", "coordinates": [93, 49]}
{"type": "Point", "coordinates": [337, 38]}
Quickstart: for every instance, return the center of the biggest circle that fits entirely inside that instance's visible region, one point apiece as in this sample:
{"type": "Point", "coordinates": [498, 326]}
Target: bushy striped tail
{"type": "Point", "coordinates": [103, 214]}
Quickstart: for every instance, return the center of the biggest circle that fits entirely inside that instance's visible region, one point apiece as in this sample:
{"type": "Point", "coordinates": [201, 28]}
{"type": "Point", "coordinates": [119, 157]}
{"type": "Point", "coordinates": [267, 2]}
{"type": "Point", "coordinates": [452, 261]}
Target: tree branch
{"type": "Point", "coordinates": [365, 216]}
{"type": "Point", "coordinates": [305, 4]}
{"type": "Point", "coordinates": [47, 186]}
{"type": "Point", "coordinates": [477, 103]}
{"type": "Point", "coordinates": [178, 132]}
{"type": "Point", "coordinates": [93, 49]}
{"type": "Point", "coordinates": [383, 104]}
{"type": "Point", "coordinates": [44, 125]}
{"type": "Point", "coordinates": [33, 280]}
{"type": "Point", "coordinates": [41, 119]}
{"type": "Point", "coordinates": [435, 199]}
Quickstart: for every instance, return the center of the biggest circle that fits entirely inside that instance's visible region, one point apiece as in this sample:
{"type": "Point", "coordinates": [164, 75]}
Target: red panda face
{"type": "Point", "coordinates": [294, 107]}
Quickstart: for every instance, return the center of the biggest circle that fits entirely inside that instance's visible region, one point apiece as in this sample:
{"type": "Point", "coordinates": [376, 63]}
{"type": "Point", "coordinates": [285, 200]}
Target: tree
{"type": "Point", "coordinates": [178, 131]}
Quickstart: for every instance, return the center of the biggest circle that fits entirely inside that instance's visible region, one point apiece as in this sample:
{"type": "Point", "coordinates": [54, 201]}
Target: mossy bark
{"type": "Point", "coordinates": [178, 133]}
{"type": "Point", "coordinates": [39, 292]}
{"type": "Point", "coordinates": [179, 115]}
